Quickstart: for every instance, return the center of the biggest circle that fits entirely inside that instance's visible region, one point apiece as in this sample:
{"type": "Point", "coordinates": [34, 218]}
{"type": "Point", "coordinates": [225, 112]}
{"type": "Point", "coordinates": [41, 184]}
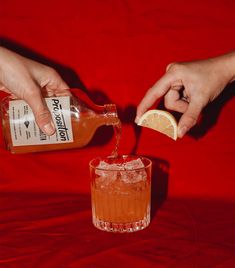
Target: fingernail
{"type": "Point", "coordinates": [49, 128]}
{"type": "Point", "coordinates": [182, 130]}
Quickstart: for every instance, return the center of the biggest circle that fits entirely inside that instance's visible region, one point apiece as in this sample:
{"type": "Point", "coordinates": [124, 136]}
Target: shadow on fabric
{"type": "Point", "coordinates": [159, 187]}
{"type": "Point", "coordinates": [211, 113]}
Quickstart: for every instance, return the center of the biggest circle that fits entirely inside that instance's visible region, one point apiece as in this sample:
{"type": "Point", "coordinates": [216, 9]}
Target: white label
{"type": "Point", "coordinates": [24, 130]}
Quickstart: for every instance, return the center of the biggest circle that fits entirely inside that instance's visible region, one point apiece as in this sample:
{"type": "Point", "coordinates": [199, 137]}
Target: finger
{"type": "Point", "coordinates": [169, 66]}
{"type": "Point", "coordinates": [57, 87]}
{"type": "Point", "coordinates": [177, 85]}
{"type": "Point", "coordinates": [53, 83]}
{"type": "Point", "coordinates": [158, 90]}
{"type": "Point", "coordinates": [176, 88]}
{"type": "Point", "coordinates": [173, 102]}
{"type": "Point", "coordinates": [189, 118]}
{"type": "Point", "coordinates": [4, 89]}
{"type": "Point", "coordinates": [40, 110]}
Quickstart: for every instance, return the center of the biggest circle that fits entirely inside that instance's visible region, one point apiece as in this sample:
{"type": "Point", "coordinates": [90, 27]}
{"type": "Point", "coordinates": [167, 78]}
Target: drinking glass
{"type": "Point", "coordinates": [121, 193]}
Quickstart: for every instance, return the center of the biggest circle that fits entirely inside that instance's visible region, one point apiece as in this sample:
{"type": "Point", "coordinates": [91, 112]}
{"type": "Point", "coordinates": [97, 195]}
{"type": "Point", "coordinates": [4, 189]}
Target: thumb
{"type": "Point", "coordinates": [189, 118]}
{"type": "Point", "coordinates": [40, 110]}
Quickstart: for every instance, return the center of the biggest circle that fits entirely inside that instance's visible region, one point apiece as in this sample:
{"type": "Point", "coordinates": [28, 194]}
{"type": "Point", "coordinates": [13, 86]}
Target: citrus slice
{"type": "Point", "coordinates": [161, 121]}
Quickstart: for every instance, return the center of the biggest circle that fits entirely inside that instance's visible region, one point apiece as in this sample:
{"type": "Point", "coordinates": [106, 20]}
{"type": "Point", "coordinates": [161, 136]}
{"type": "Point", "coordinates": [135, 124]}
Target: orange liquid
{"type": "Point", "coordinates": [121, 202]}
{"type": "Point", "coordinates": [118, 132]}
{"type": "Point", "coordinates": [83, 129]}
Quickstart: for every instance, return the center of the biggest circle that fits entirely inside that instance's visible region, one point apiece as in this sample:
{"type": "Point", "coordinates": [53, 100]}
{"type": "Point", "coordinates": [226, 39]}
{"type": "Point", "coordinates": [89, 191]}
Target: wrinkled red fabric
{"type": "Point", "coordinates": [115, 51]}
{"type": "Point", "coordinates": [54, 230]}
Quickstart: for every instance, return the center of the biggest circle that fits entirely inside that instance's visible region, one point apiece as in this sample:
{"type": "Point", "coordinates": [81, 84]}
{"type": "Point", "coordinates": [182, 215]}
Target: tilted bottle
{"type": "Point", "coordinates": [76, 119]}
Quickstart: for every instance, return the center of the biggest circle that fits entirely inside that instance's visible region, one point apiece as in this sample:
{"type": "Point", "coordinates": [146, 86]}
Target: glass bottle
{"type": "Point", "coordinates": [76, 119]}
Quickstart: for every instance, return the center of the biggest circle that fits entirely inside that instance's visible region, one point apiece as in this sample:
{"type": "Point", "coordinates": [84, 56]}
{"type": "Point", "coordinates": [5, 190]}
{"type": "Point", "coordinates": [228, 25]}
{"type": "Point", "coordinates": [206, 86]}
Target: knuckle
{"type": "Point", "coordinates": [192, 119]}
{"type": "Point", "coordinates": [175, 67]}
{"type": "Point", "coordinates": [172, 66]}
{"type": "Point", "coordinates": [43, 115]}
{"type": "Point", "coordinates": [51, 72]}
{"type": "Point", "coordinates": [30, 93]}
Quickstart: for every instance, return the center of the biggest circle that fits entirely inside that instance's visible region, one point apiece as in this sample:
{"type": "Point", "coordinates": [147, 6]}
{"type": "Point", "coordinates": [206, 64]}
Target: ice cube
{"type": "Point", "coordinates": [134, 164]}
{"type": "Point", "coordinates": [131, 175]}
{"type": "Point", "coordinates": [104, 168]}
{"type": "Point", "coordinates": [128, 172]}
{"type": "Point", "coordinates": [107, 172]}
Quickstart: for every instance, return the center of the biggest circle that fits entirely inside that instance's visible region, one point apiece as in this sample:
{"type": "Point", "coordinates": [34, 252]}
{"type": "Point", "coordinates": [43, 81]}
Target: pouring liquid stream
{"type": "Point", "coordinates": [118, 132]}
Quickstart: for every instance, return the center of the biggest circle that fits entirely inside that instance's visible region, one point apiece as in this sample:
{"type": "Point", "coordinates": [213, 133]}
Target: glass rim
{"type": "Point", "coordinates": [91, 165]}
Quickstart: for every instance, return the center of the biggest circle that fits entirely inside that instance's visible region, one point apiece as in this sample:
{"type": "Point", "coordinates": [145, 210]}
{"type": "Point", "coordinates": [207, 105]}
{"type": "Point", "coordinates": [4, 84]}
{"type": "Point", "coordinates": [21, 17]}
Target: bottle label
{"type": "Point", "coordinates": [24, 130]}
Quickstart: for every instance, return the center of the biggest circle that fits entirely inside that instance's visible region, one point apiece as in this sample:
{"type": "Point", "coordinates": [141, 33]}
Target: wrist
{"type": "Point", "coordinates": [228, 66]}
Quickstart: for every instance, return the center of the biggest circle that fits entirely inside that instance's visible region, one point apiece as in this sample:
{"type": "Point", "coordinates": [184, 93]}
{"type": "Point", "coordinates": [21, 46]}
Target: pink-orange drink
{"type": "Point", "coordinates": [120, 193]}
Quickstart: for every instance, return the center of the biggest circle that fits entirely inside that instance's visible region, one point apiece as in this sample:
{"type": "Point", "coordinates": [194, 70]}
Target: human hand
{"type": "Point", "coordinates": [26, 79]}
{"type": "Point", "coordinates": [189, 86]}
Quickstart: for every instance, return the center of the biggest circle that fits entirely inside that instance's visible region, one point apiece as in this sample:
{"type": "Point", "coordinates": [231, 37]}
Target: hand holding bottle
{"type": "Point", "coordinates": [188, 87]}
{"type": "Point", "coordinates": [24, 78]}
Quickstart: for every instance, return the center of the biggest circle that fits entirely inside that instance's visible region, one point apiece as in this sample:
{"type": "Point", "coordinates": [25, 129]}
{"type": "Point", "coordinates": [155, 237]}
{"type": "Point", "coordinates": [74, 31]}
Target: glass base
{"type": "Point", "coordinates": [129, 227]}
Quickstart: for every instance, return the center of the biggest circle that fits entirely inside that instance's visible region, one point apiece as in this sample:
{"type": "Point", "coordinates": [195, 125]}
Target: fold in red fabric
{"type": "Point", "coordinates": [55, 230]}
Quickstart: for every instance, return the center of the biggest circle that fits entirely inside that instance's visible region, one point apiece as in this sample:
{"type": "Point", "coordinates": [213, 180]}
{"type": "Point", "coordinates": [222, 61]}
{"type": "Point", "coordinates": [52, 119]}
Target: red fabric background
{"type": "Point", "coordinates": [116, 50]}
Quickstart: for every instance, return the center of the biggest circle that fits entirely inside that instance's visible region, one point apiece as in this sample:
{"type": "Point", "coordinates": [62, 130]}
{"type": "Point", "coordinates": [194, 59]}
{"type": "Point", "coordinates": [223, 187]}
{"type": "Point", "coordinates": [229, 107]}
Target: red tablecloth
{"type": "Point", "coordinates": [116, 50]}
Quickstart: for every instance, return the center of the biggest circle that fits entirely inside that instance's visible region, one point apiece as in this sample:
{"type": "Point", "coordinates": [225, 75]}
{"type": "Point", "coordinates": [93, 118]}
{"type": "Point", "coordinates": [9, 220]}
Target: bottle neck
{"type": "Point", "coordinates": [110, 114]}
